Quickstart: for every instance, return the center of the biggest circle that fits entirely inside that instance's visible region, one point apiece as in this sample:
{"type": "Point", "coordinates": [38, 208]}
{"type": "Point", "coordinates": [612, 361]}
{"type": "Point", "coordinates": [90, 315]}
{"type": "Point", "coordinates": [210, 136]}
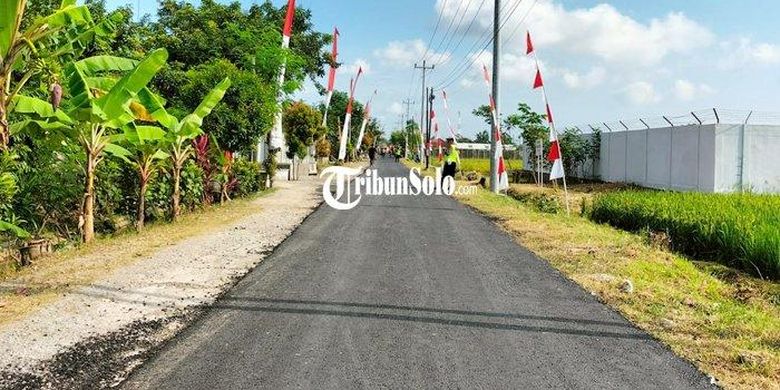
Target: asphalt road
{"type": "Point", "coordinates": [410, 292]}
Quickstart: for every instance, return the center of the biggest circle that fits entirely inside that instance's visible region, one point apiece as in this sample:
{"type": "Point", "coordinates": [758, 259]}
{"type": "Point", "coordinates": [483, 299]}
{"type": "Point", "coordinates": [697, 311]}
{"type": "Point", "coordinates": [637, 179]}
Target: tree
{"type": "Point", "coordinates": [532, 129]}
{"type": "Point", "coordinates": [30, 52]}
{"type": "Point", "coordinates": [142, 148]}
{"type": "Point", "coordinates": [99, 105]}
{"type": "Point", "coordinates": [483, 137]}
{"type": "Point", "coordinates": [574, 148]}
{"type": "Point", "coordinates": [179, 135]}
{"type": "Point", "coordinates": [302, 126]}
{"type": "Point", "coordinates": [247, 110]}
{"type": "Point", "coordinates": [486, 114]}
{"type": "Point", "coordinates": [336, 113]}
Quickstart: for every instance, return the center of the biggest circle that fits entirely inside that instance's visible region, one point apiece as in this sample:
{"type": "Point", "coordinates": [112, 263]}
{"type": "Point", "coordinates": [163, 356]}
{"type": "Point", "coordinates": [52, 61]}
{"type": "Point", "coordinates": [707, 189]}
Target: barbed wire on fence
{"type": "Point", "coordinates": [701, 117]}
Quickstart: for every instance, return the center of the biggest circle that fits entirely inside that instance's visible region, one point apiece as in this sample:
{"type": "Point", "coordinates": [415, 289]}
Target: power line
{"type": "Point", "coordinates": [468, 29]}
{"type": "Point", "coordinates": [487, 44]}
{"type": "Point", "coordinates": [466, 61]}
{"type": "Point", "coordinates": [435, 30]}
{"type": "Point", "coordinates": [449, 29]}
{"type": "Point", "coordinates": [466, 65]}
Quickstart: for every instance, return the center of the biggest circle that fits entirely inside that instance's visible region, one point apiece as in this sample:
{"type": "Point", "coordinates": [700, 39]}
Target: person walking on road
{"type": "Point", "coordinates": [371, 155]}
{"type": "Point", "coordinates": [451, 160]}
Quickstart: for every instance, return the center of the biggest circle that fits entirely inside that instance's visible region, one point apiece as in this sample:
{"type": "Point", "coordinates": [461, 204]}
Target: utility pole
{"type": "Point", "coordinates": [496, 126]}
{"type": "Point", "coordinates": [428, 125]}
{"type": "Point", "coordinates": [424, 99]}
{"type": "Point", "coordinates": [408, 103]}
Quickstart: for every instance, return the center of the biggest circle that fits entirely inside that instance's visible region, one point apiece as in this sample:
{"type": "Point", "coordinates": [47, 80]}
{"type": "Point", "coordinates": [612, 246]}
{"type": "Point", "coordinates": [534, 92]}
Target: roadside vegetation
{"type": "Point", "coordinates": [725, 321]}
{"type": "Point", "coordinates": [738, 230]}
{"type": "Point", "coordinates": [29, 288]}
{"type": "Point", "coordinates": [110, 122]}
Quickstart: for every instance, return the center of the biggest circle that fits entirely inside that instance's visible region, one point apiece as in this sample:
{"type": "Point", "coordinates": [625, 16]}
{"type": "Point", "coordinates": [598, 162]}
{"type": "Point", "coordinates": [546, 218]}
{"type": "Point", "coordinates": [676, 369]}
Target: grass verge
{"type": "Point", "coordinates": [28, 289]}
{"type": "Point", "coordinates": [724, 321]}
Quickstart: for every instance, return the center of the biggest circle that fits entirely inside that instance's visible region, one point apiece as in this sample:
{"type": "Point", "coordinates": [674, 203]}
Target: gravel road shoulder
{"type": "Point", "coordinates": [95, 335]}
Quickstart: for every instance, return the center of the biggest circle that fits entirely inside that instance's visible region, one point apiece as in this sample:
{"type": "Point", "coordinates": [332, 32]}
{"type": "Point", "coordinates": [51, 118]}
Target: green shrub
{"type": "Point", "coordinates": [249, 175]}
{"type": "Point", "coordinates": [740, 230]}
{"type": "Point", "coordinates": [546, 203]}
{"type": "Point", "coordinates": [191, 186]}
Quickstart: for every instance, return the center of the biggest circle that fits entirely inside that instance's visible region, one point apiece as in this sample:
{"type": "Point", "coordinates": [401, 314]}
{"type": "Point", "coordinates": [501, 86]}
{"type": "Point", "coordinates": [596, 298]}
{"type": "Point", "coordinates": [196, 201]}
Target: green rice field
{"type": "Point", "coordinates": [739, 230]}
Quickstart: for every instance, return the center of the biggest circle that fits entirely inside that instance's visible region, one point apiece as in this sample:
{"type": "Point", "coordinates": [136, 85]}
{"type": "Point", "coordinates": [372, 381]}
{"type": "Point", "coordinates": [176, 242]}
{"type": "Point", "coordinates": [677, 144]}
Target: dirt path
{"type": "Point", "coordinates": [159, 289]}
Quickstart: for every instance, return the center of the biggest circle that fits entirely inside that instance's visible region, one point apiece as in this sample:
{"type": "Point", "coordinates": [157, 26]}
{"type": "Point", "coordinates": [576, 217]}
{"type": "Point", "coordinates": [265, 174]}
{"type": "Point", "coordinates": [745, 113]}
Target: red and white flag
{"type": "Point", "coordinates": [503, 177]}
{"type": "Point", "coordinates": [447, 114]}
{"type": "Point", "coordinates": [436, 137]}
{"type": "Point", "coordinates": [334, 54]}
{"type": "Point", "coordinates": [276, 138]}
{"type": "Point", "coordinates": [554, 156]}
{"type": "Point", "coordinates": [348, 116]}
{"type": "Point", "coordinates": [366, 118]}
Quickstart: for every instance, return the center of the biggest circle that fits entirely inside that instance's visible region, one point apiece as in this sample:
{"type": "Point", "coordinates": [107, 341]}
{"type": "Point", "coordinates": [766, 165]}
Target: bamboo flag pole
{"type": "Point", "coordinates": [555, 155]}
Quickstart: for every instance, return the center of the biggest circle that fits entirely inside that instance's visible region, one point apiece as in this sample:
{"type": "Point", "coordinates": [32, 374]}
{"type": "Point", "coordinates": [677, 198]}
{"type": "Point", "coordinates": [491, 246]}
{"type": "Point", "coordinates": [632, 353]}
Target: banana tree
{"type": "Point", "coordinates": [142, 147]}
{"type": "Point", "coordinates": [180, 134]}
{"type": "Point", "coordinates": [65, 32]}
{"type": "Point", "coordinates": [100, 106]}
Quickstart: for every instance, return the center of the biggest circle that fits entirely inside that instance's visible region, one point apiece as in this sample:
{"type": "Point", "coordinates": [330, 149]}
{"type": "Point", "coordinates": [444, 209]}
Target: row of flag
{"type": "Point", "coordinates": [554, 155]}
{"type": "Point", "coordinates": [276, 138]}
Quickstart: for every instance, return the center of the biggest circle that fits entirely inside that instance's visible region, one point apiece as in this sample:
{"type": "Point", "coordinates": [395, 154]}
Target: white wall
{"type": "Point", "coordinates": [707, 158]}
{"type": "Point", "coordinates": [747, 157]}
{"type": "Point", "coordinates": [679, 158]}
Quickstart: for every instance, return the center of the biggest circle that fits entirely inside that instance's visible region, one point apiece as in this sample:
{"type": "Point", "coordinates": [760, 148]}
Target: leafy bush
{"type": "Point", "coordinates": [740, 230]}
{"type": "Point", "coordinates": [158, 196]}
{"type": "Point", "coordinates": [249, 177]}
{"type": "Point", "coordinates": [113, 179]}
{"type": "Point", "coordinates": [191, 186]}
{"type": "Point", "coordinates": [546, 203]}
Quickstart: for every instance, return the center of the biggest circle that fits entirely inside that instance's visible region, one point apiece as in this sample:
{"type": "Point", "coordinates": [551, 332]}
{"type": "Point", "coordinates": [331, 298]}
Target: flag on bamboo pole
{"type": "Point", "coordinates": [498, 157]}
{"type": "Point", "coordinates": [276, 138]}
{"type": "Point", "coordinates": [348, 116]}
{"type": "Point", "coordinates": [366, 118]}
{"type": "Point", "coordinates": [436, 137]}
{"type": "Point", "coordinates": [334, 54]}
{"type": "Point", "coordinates": [554, 156]}
{"type": "Point", "coordinates": [447, 114]}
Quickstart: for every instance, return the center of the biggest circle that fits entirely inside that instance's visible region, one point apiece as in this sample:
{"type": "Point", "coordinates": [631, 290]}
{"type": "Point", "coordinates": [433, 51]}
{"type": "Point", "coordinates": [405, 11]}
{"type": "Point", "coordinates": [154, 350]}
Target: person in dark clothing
{"type": "Point", "coordinates": [371, 154]}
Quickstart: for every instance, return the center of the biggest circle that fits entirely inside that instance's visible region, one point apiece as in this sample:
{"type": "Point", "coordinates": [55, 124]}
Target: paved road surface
{"type": "Point", "coordinates": [410, 292]}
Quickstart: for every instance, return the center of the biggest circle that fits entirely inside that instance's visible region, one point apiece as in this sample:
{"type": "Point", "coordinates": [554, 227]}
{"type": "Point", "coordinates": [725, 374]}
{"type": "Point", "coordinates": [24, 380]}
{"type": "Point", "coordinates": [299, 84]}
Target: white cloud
{"type": "Point", "coordinates": [467, 83]}
{"type": "Point", "coordinates": [641, 93]}
{"type": "Point", "coordinates": [406, 53]}
{"type": "Point", "coordinates": [575, 80]}
{"type": "Point", "coordinates": [396, 108]}
{"type": "Point", "coordinates": [745, 52]}
{"type": "Point", "coordinates": [686, 90]}
{"type": "Point", "coordinates": [352, 68]}
{"type": "Point", "coordinates": [601, 31]}
{"type": "Point", "coordinates": [514, 68]}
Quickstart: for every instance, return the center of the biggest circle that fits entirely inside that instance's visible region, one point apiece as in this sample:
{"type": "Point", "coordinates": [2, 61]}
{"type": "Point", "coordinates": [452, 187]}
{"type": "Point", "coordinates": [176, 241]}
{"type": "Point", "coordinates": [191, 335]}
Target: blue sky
{"type": "Point", "coordinates": [602, 60]}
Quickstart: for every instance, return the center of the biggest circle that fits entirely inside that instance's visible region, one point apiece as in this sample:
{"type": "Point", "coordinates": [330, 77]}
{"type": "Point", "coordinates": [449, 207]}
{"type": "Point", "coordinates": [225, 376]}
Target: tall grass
{"type": "Point", "coordinates": [482, 165]}
{"type": "Point", "coordinates": [740, 230]}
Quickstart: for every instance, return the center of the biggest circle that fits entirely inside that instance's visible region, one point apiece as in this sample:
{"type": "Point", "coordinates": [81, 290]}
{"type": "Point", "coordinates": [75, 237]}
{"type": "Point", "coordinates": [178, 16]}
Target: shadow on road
{"type": "Point", "coordinates": [412, 314]}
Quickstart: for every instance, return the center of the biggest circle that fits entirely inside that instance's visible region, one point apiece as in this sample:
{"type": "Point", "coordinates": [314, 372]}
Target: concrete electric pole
{"type": "Point", "coordinates": [496, 98]}
{"type": "Point", "coordinates": [425, 69]}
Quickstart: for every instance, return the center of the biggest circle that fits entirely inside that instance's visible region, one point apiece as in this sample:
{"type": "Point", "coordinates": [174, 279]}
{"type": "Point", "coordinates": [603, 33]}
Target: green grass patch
{"type": "Point", "coordinates": [739, 230]}
{"type": "Point", "coordinates": [723, 320]}
{"type": "Point", "coordinates": [482, 165]}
